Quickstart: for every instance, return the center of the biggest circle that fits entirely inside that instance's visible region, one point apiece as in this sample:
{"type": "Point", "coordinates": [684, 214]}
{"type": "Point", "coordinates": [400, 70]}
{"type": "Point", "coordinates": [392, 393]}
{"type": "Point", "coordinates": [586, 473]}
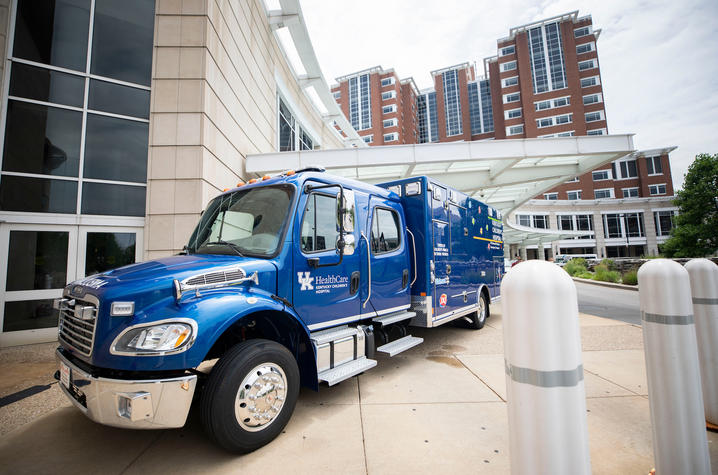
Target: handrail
{"type": "Point", "coordinates": [368, 261]}
{"type": "Point", "coordinates": [413, 247]}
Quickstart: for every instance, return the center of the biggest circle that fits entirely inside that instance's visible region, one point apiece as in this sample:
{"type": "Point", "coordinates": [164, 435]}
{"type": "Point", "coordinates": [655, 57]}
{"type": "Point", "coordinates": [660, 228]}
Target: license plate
{"type": "Point", "coordinates": [65, 375]}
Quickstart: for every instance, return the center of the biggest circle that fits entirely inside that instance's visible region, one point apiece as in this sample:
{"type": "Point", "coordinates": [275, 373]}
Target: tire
{"type": "Point", "coordinates": [232, 413]}
{"type": "Point", "coordinates": [478, 318]}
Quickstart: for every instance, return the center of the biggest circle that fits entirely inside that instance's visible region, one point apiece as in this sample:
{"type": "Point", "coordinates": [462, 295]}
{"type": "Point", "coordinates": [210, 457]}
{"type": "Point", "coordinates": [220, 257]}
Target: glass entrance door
{"type": "Point", "coordinates": [41, 260]}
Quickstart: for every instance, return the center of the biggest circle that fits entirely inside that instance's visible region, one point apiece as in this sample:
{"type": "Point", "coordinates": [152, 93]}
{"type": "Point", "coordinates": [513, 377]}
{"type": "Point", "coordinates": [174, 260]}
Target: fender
{"type": "Point", "coordinates": [285, 323]}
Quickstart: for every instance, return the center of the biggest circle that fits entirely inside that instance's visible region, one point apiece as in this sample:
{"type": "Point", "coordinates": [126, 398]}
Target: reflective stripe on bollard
{"type": "Point", "coordinates": [544, 371]}
{"type": "Point", "coordinates": [704, 291]}
{"type": "Point", "coordinates": [669, 339]}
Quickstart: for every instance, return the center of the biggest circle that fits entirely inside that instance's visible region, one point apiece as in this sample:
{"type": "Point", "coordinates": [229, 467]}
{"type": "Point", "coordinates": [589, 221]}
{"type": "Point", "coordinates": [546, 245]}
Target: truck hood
{"type": "Point", "coordinates": [147, 282]}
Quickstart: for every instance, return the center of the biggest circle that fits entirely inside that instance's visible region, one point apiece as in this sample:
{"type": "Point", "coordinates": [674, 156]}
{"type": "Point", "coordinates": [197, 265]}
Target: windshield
{"type": "Point", "coordinates": [246, 222]}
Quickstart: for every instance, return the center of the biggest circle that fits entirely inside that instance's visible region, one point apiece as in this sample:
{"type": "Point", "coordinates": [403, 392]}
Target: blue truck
{"type": "Point", "coordinates": [294, 280]}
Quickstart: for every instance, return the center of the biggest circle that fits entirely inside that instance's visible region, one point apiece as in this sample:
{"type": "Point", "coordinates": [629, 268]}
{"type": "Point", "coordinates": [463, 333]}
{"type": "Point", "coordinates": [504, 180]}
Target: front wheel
{"type": "Point", "coordinates": [250, 395]}
{"type": "Point", "coordinates": [478, 318]}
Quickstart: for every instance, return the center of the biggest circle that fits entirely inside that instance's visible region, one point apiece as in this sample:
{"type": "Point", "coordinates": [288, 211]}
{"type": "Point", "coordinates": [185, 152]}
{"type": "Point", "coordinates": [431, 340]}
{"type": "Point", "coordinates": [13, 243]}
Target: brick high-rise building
{"type": "Point", "coordinates": [380, 106]}
{"type": "Point", "coordinates": [544, 81]}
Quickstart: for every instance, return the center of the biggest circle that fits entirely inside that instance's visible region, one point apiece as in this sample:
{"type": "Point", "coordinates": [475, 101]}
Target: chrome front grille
{"type": "Point", "coordinates": [78, 320]}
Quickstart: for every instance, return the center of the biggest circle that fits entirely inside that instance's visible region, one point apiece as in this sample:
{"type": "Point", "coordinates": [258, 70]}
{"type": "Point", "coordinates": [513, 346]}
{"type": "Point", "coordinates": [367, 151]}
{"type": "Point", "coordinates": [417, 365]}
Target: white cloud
{"type": "Point", "coordinates": [659, 59]}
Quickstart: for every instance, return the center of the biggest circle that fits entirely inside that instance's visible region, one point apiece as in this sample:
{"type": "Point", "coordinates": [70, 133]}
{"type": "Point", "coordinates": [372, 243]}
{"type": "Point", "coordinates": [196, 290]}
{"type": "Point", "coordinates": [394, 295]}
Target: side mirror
{"type": "Point", "coordinates": [346, 216]}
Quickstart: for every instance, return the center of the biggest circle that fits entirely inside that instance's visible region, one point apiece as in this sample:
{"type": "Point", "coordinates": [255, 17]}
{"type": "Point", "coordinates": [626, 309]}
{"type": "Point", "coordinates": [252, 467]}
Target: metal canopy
{"type": "Point", "coordinates": [517, 234]}
{"type": "Point", "coordinates": [502, 173]}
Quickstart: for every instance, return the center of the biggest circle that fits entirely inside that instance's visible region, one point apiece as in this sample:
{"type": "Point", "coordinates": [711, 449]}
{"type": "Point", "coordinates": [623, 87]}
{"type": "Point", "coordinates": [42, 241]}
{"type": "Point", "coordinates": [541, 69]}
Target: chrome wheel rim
{"type": "Point", "coordinates": [482, 308]}
{"type": "Point", "coordinates": [260, 397]}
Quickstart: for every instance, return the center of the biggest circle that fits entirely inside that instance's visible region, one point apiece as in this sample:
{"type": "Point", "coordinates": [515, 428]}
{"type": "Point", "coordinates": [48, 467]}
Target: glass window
{"type": "Point", "coordinates": [387, 81]}
{"type": "Point", "coordinates": [389, 109]}
{"type": "Point", "coordinates": [510, 81]}
{"type": "Point", "coordinates": [565, 223]}
{"type": "Point", "coordinates": [657, 189]}
{"type": "Point", "coordinates": [593, 116]}
{"type": "Point", "coordinates": [561, 101]}
{"type": "Point", "coordinates": [513, 113]}
{"type": "Point", "coordinates": [390, 123]}
{"type": "Point", "coordinates": [588, 82]}
{"type": "Point", "coordinates": [286, 128]}
{"type": "Point", "coordinates": [319, 226]}
{"type": "Point", "coordinates": [117, 99]}
{"type": "Point", "coordinates": [601, 175]}
{"type": "Point", "coordinates": [595, 132]}
{"type": "Point", "coordinates": [305, 140]}
{"type": "Point", "coordinates": [54, 32]}
{"type": "Point", "coordinates": [37, 195]}
{"type": "Point", "coordinates": [540, 221]}
{"type": "Point", "coordinates": [46, 85]}
{"type": "Point", "coordinates": [122, 40]}
{"type": "Point", "coordinates": [251, 219]}
{"type": "Point", "coordinates": [664, 222]}
{"type": "Point", "coordinates": [542, 105]}
{"type": "Point", "coordinates": [574, 195]}
{"type": "Point", "coordinates": [516, 129]}
{"type": "Point", "coordinates": [388, 95]}
{"type": "Point", "coordinates": [41, 139]}
{"type": "Point", "coordinates": [107, 251]}
{"type": "Point", "coordinates": [368, 138]}
{"type": "Point", "coordinates": [634, 222]}
{"type": "Point", "coordinates": [550, 196]}
{"type": "Point", "coordinates": [591, 99]}
{"type": "Point", "coordinates": [584, 65]}
{"type": "Point", "coordinates": [391, 137]}
{"type": "Point", "coordinates": [545, 122]}
{"type": "Point", "coordinates": [564, 119]}
{"type": "Point", "coordinates": [584, 48]}
{"type": "Point", "coordinates": [384, 231]}
{"type": "Point", "coordinates": [116, 149]}
{"type": "Point", "coordinates": [584, 222]}
{"type": "Point", "coordinates": [630, 192]}
{"type": "Point", "coordinates": [628, 169]}
{"type": "Point", "coordinates": [508, 50]}
{"type": "Point", "coordinates": [612, 226]}
{"type": "Point", "coordinates": [37, 260]}
{"type": "Point", "coordinates": [119, 200]}
{"type": "Point", "coordinates": [509, 66]}
{"type": "Point", "coordinates": [523, 220]}
{"type": "Point", "coordinates": [654, 165]}
{"type": "Point", "coordinates": [601, 194]}
{"type": "Point", "coordinates": [579, 32]}
{"type": "Point", "coordinates": [29, 315]}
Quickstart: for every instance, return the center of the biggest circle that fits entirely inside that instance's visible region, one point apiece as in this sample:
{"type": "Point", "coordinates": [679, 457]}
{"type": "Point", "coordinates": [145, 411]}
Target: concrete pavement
{"type": "Point", "coordinates": [437, 408]}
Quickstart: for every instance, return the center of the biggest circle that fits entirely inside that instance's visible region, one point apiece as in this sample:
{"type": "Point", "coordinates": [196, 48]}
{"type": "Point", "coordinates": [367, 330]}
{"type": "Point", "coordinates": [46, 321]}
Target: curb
{"type": "Point", "coordinates": [607, 284]}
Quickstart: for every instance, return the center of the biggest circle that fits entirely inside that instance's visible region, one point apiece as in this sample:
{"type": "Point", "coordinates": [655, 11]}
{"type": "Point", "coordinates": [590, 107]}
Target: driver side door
{"type": "Point", "coordinates": [328, 295]}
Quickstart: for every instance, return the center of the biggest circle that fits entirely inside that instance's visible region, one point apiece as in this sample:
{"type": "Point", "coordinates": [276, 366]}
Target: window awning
{"type": "Point", "coordinates": [502, 173]}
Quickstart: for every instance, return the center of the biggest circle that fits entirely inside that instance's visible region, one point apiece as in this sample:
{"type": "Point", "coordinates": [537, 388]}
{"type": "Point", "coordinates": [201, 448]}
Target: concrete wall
{"type": "Point", "coordinates": [216, 66]}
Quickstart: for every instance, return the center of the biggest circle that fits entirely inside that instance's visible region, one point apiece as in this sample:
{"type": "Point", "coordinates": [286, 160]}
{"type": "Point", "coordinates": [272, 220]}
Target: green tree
{"type": "Point", "coordinates": [695, 231]}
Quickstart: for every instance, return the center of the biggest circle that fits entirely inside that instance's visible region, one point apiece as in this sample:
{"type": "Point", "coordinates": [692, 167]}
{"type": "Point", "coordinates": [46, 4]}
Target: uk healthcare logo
{"type": "Point", "coordinates": [305, 280]}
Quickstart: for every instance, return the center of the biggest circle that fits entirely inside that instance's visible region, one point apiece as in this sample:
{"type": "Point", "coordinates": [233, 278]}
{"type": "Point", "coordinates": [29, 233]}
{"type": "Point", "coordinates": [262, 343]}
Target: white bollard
{"type": "Point", "coordinates": [704, 290]}
{"type": "Point", "coordinates": [544, 371]}
{"type": "Point", "coordinates": [669, 339]}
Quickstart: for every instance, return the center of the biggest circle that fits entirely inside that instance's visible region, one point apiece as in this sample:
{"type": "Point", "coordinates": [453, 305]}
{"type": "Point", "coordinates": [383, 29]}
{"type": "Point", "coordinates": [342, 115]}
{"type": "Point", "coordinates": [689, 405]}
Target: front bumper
{"type": "Point", "coordinates": [132, 404]}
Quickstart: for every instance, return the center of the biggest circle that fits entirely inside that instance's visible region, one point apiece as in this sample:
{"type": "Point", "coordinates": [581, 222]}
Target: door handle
{"type": "Point", "coordinates": [354, 282]}
{"type": "Point", "coordinates": [368, 261]}
{"type": "Point", "coordinates": [448, 269]}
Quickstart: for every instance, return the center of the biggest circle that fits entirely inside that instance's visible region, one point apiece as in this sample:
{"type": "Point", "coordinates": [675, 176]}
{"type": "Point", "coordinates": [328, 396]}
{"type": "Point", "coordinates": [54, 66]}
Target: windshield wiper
{"type": "Point", "coordinates": [231, 245]}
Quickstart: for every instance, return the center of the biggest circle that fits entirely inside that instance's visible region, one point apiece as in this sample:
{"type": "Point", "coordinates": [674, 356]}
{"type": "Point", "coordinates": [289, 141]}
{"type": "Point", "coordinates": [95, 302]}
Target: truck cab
{"type": "Point", "coordinates": [290, 280]}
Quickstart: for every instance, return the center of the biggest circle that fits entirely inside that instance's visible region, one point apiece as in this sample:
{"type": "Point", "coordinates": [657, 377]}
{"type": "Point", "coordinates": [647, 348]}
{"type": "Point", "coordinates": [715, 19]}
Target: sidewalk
{"type": "Point", "coordinates": [438, 408]}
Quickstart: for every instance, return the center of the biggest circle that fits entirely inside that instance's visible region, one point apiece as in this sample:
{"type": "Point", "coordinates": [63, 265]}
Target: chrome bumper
{"type": "Point", "coordinates": [141, 404]}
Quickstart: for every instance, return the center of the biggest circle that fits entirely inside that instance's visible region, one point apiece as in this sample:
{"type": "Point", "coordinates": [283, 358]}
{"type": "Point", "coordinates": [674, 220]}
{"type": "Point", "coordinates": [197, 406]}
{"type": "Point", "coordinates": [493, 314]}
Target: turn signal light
{"type": "Point", "coordinates": [290, 173]}
{"type": "Point", "coordinates": [253, 180]}
{"type": "Point", "coordinates": [266, 177]}
{"type": "Point", "coordinates": [241, 183]}
{"type": "Point", "coordinates": [226, 189]}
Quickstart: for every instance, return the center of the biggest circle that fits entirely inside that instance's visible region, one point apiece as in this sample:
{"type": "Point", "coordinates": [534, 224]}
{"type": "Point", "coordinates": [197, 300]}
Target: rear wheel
{"type": "Point", "coordinates": [478, 318]}
{"type": "Point", "coordinates": [250, 395]}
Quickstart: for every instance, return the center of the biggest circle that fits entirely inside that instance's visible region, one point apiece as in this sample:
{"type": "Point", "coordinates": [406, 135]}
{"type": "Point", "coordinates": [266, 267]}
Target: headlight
{"type": "Point", "coordinates": [157, 338]}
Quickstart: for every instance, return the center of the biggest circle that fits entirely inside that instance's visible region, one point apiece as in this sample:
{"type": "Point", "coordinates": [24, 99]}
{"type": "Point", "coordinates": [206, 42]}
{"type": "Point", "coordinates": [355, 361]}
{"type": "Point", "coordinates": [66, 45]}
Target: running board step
{"type": "Point", "coordinates": [402, 344]}
{"type": "Point", "coordinates": [346, 371]}
{"type": "Point", "coordinates": [393, 318]}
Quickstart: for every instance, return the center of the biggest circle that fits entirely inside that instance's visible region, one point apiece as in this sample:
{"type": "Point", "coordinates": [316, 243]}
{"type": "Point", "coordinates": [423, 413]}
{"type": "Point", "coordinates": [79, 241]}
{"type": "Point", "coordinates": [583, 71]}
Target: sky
{"type": "Point", "coordinates": [658, 59]}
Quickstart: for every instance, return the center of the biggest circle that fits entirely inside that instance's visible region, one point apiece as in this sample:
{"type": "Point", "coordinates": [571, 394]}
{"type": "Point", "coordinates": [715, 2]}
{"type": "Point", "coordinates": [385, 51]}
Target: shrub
{"type": "Point", "coordinates": [631, 277]}
{"type": "Point", "coordinates": [606, 275]}
{"type": "Point", "coordinates": [609, 264]}
{"type": "Point", "coordinates": [575, 266]}
{"type": "Point", "coordinates": [585, 275]}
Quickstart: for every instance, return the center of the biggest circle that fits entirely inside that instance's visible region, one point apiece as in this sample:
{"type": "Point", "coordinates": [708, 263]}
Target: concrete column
{"type": "Point", "coordinates": [522, 252]}
{"type": "Point", "coordinates": [507, 251]}
{"type": "Point", "coordinates": [649, 224]}
{"type": "Point", "coordinates": [540, 252]}
{"type": "Point", "coordinates": [598, 231]}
